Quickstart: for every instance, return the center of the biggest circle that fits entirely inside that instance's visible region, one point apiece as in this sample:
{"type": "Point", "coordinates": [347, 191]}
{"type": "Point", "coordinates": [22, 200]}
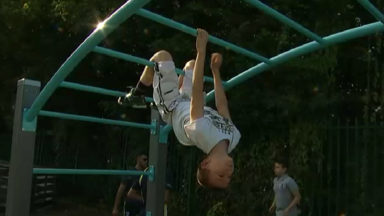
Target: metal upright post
{"type": "Point", "coordinates": [22, 153]}
{"type": "Point", "coordinates": [158, 160]}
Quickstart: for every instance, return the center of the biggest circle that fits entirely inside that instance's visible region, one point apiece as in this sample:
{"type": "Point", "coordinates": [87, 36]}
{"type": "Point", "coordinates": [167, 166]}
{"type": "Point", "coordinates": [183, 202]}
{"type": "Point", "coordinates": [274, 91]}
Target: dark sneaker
{"type": "Point", "coordinates": [133, 99]}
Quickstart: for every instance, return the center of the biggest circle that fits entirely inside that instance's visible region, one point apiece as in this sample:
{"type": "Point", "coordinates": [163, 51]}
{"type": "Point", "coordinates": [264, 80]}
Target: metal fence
{"type": "Point", "coordinates": [352, 177]}
{"type": "Point", "coordinates": [346, 180]}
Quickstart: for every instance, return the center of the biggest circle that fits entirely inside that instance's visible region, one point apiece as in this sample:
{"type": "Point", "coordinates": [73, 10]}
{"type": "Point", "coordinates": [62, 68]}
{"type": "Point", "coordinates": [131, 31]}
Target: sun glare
{"type": "Point", "coordinates": [100, 25]}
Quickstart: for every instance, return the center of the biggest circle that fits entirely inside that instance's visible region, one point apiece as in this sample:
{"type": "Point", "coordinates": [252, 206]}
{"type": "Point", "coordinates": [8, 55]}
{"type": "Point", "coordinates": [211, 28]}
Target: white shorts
{"type": "Point", "coordinates": [165, 88]}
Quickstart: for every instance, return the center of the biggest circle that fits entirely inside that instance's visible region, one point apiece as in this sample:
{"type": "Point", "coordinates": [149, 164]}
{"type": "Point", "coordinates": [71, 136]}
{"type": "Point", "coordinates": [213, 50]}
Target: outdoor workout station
{"type": "Point", "coordinates": [31, 100]}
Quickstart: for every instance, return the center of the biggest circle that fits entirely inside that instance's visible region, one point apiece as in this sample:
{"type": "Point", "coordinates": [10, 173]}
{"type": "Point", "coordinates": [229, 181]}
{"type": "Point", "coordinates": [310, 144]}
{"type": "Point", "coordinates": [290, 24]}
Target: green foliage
{"type": "Point", "coordinates": [218, 210]}
{"type": "Point", "coordinates": [282, 111]}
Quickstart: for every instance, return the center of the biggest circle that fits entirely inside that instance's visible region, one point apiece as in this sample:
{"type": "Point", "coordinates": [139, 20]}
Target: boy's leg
{"type": "Point", "coordinates": [135, 97]}
{"type": "Point", "coordinates": [148, 73]}
{"type": "Point", "coordinates": [165, 85]}
{"type": "Point", "coordinates": [189, 65]}
{"type": "Point", "coordinates": [187, 77]}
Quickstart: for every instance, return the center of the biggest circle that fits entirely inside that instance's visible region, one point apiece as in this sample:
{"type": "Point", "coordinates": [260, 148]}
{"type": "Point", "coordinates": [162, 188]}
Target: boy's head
{"type": "Point", "coordinates": [280, 167]}
{"type": "Point", "coordinates": [215, 171]}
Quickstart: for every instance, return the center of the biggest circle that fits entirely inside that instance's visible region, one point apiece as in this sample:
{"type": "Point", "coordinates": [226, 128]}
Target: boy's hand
{"type": "Point", "coordinates": [216, 61]}
{"type": "Point", "coordinates": [201, 40]}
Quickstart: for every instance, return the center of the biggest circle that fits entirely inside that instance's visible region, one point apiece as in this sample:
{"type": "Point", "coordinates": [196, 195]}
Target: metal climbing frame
{"type": "Point", "coordinates": [30, 100]}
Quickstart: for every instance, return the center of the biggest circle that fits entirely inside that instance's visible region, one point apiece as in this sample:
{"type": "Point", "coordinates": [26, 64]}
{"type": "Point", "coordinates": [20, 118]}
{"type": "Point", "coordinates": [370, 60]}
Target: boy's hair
{"type": "Point", "coordinates": [202, 177]}
{"type": "Point", "coordinates": [282, 161]}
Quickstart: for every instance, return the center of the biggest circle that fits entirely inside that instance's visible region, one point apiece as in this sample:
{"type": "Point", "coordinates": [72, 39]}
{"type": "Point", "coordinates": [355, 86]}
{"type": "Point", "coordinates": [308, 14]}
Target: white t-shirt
{"type": "Point", "coordinates": [206, 132]}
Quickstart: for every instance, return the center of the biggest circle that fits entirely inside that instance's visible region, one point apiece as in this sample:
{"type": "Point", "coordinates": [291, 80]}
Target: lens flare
{"type": "Point", "coordinates": [100, 25]}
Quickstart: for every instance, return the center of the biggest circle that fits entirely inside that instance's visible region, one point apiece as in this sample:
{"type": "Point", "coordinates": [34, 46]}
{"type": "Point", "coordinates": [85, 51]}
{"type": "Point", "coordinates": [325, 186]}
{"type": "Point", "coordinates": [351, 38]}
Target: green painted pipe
{"type": "Point", "coordinates": [95, 120]}
{"type": "Point", "coordinates": [302, 50]}
{"type": "Point", "coordinates": [284, 19]}
{"type": "Point", "coordinates": [92, 89]}
{"type": "Point", "coordinates": [293, 53]}
{"type": "Point", "coordinates": [123, 56]}
{"type": "Point", "coordinates": [131, 58]}
{"type": "Point", "coordinates": [123, 13]}
{"type": "Point", "coordinates": [372, 9]}
{"type": "Point", "coordinates": [97, 90]}
{"type": "Point", "coordinates": [164, 132]}
{"type": "Point", "coordinates": [53, 171]}
{"type": "Point", "coordinates": [191, 31]}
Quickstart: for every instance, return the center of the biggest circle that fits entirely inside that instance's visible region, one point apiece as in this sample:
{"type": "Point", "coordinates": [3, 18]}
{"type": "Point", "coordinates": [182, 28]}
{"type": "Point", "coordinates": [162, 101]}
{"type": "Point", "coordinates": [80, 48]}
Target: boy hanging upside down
{"type": "Point", "coordinates": [181, 104]}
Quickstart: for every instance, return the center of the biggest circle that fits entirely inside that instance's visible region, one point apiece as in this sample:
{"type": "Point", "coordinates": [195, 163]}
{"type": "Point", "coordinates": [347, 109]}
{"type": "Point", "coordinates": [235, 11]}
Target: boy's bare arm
{"type": "Point", "coordinates": [197, 98]}
{"type": "Point", "coordinates": [220, 97]}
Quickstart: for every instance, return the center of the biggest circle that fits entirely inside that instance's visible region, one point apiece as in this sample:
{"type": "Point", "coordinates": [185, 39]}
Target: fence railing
{"type": "Point", "coordinates": [43, 189]}
{"type": "Point", "coordinates": [351, 175]}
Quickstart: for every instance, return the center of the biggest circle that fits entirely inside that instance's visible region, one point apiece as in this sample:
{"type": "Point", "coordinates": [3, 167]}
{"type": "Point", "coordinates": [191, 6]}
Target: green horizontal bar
{"type": "Point", "coordinates": [302, 50]}
{"type": "Point", "coordinates": [95, 120]}
{"type": "Point", "coordinates": [92, 89]}
{"type": "Point", "coordinates": [191, 31]}
{"type": "Point", "coordinates": [127, 57]}
{"type": "Point", "coordinates": [123, 56]}
{"type": "Point", "coordinates": [298, 51]}
{"type": "Point", "coordinates": [284, 19]}
{"type": "Point", "coordinates": [210, 79]}
{"type": "Point", "coordinates": [97, 90]}
{"type": "Point", "coordinates": [372, 9]}
{"type": "Point", "coordinates": [53, 171]}
{"type": "Point", "coordinates": [131, 58]}
{"type": "Point", "coordinates": [111, 23]}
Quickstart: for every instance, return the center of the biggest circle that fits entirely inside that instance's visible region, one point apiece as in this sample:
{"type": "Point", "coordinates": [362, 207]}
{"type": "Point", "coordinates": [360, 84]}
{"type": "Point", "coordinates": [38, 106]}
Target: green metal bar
{"type": "Point", "coordinates": [298, 51]}
{"type": "Point", "coordinates": [53, 171]}
{"type": "Point", "coordinates": [124, 56]}
{"type": "Point", "coordinates": [211, 80]}
{"type": "Point", "coordinates": [372, 9]}
{"type": "Point", "coordinates": [92, 89]}
{"type": "Point", "coordinates": [142, 61]}
{"type": "Point", "coordinates": [165, 131]}
{"type": "Point", "coordinates": [191, 31]}
{"type": "Point", "coordinates": [284, 19]}
{"type": "Point", "coordinates": [95, 120]}
{"type": "Point", "coordinates": [97, 90]}
{"type": "Point", "coordinates": [111, 23]}
{"type": "Point", "coordinates": [302, 50]}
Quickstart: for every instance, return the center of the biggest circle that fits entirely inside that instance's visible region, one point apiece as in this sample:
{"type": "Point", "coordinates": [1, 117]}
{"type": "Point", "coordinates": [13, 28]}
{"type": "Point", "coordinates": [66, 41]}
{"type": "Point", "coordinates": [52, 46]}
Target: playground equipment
{"type": "Point", "coordinates": [30, 100]}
